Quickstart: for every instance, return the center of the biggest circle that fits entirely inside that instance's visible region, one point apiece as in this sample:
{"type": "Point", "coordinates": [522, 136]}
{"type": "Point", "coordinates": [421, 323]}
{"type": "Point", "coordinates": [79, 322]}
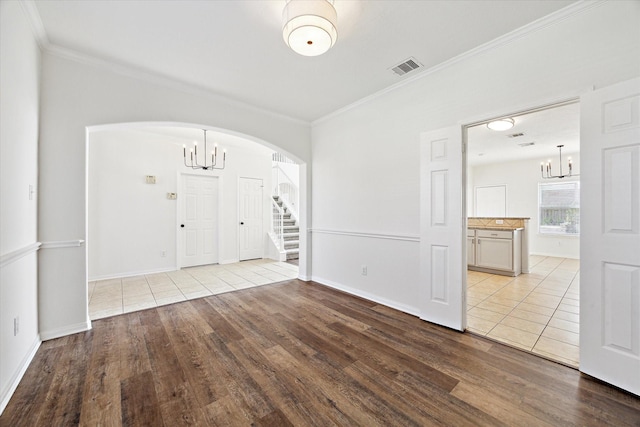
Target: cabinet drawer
{"type": "Point", "coordinates": [495, 234]}
{"type": "Point", "coordinates": [471, 233]}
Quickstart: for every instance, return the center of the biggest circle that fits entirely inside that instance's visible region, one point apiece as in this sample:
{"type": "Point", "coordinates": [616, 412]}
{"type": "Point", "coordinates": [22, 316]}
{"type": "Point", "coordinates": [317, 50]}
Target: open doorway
{"type": "Point", "coordinates": [523, 242]}
{"type": "Point", "coordinates": [137, 200]}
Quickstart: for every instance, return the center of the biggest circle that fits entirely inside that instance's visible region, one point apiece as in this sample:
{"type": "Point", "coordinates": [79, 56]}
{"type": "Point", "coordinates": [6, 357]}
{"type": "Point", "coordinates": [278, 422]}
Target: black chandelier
{"type": "Point", "coordinates": [193, 156]}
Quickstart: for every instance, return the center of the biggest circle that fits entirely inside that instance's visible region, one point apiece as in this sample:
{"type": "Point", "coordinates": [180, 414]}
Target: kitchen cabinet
{"type": "Point", "coordinates": [494, 251]}
{"type": "Point", "coordinates": [471, 247]}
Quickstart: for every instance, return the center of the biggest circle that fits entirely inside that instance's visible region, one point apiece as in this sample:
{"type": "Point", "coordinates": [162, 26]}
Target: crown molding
{"type": "Point", "coordinates": [37, 27]}
{"type": "Point", "coordinates": [160, 79]}
{"type": "Point", "coordinates": [532, 27]}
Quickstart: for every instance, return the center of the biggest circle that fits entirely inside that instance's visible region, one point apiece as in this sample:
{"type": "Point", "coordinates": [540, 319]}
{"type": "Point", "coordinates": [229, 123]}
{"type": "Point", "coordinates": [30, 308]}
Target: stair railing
{"type": "Point", "coordinates": [277, 224]}
{"type": "Point", "coordinates": [285, 189]}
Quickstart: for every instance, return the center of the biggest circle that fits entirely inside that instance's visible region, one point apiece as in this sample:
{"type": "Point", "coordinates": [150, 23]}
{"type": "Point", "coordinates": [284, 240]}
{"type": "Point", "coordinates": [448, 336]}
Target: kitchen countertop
{"type": "Point", "coordinates": [475, 227]}
{"type": "Point", "coordinates": [494, 217]}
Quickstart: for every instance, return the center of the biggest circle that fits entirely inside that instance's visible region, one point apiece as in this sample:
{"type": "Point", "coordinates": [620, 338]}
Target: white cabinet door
{"type": "Point", "coordinates": [471, 250]}
{"type": "Point", "coordinates": [494, 253]}
{"type": "Point", "coordinates": [610, 237]}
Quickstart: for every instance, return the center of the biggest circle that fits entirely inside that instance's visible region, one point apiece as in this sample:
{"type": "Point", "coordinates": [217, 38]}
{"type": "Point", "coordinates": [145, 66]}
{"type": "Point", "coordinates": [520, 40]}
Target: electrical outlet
{"type": "Point", "coordinates": [16, 325]}
{"type": "Point", "coordinates": [499, 221]}
{"type": "Point", "coordinates": [364, 270]}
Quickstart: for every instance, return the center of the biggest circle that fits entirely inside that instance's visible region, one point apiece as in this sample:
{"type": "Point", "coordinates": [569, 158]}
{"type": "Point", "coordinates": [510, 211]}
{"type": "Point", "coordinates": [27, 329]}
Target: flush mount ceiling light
{"type": "Point", "coordinates": [309, 26]}
{"type": "Point", "coordinates": [501, 124]}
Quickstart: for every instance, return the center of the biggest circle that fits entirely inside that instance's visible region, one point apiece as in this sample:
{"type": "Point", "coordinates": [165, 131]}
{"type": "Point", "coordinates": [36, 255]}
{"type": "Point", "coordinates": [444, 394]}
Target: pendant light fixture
{"type": "Point", "coordinates": [545, 169]}
{"type": "Point", "coordinates": [193, 156]}
{"type": "Point", "coordinates": [309, 26]}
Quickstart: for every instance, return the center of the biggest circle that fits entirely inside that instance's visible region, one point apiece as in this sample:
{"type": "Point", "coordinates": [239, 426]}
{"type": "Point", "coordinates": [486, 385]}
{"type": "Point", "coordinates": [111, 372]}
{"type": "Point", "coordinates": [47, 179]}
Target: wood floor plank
{"type": "Point", "coordinates": [63, 400]}
{"type": "Point", "coordinates": [101, 394]}
{"type": "Point", "coordinates": [139, 401]}
{"type": "Point", "coordinates": [134, 358]}
{"type": "Point", "coordinates": [27, 402]}
{"type": "Point", "coordinates": [296, 353]}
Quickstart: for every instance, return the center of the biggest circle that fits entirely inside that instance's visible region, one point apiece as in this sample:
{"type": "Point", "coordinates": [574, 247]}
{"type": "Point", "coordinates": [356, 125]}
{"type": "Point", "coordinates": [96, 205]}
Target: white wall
{"type": "Point", "coordinates": [78, 93]}
{"type": "Point", "coordinates": [366, 158]}
{"type": "Point", "coordinates": [131, 223]}
{"type": "Point", "coordinates": [522, 178]}
{"type": "Point", "coordinates": [19, 106]}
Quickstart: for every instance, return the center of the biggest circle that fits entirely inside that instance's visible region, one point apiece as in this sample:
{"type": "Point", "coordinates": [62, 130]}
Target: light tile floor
{"type": "Point", "coordinates": [537, 312]}
{"type": "Point", "coordinates": [127, 294]}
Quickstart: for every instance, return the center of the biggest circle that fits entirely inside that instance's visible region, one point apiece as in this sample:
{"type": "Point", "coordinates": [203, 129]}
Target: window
{"type": "Point", "coordinates": [559, 208]}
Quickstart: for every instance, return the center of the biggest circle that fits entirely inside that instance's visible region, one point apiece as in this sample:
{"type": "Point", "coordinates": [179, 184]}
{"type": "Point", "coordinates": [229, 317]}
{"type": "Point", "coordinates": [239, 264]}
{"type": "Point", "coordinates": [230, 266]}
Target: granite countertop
{"type": "Point", "coordinates": [495, 217]}
{"type": "Point", "coordinates": [484, 227]}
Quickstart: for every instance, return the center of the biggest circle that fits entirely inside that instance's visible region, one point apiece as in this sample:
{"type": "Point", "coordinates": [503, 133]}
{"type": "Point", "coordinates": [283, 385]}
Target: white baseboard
{"type": "Point", "coordinates": [17, 377]}
{"type": "Point", "coordinates": [368, 296]}
{"type": "Point", "coordinates": [228, 261]}
{"type": "Point", "coordinates": [305, 278]}
{"type": "Point", "coordinates": [131, 274]}
{"type": "Point", "coordinates": [65, 330]}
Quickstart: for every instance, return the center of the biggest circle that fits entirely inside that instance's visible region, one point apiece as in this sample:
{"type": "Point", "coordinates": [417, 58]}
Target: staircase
{"type": "Point", "coordinates": [290, 232]}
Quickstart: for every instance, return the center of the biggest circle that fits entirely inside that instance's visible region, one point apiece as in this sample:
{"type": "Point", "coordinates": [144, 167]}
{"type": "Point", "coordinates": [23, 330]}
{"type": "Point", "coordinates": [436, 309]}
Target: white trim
{"type": "Point", "coordinates": [138, 73]}
{"type": "Point", "coordinates": [305, 278]}
{"type": "Point", "coordinates": [532, 27]}
{"type": "Point", "coordinates": [132, 274]}
{"type": "Point", "coordinates": [13, 256]}
{"type": "Point", "coordinates": [30, 9]}
{"type": "Point", "coordinates": [56, 244]}
{"type": "Point", "coordinates": [17, 377]}
{"type": "Point", "coordinates": [65, 330]}
{"type": "Point", "coordinates": [404, 238]}
{"type": "Point", "coordinates": [368, 296]}
{"type": "Point", "coordinates": [228, 261]}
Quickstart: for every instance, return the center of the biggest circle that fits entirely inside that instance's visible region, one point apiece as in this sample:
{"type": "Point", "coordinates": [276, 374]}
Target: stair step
{"type": "Point", "coordinates": [290, 236]}
{"type": "Point", "coordinates": [291, 244]}
{"type": "Point", "coordinates": [292, 253]}
{"type": "Point", "coordinates": [293, 228]}
{"type": "Point", "coordinates": [288, 222]}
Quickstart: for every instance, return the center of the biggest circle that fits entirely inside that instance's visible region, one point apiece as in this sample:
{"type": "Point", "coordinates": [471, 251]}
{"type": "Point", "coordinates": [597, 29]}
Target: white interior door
{"type": "Point", "coordinates": [442, 283]}
{"type": "Point", "coordinates": [251, 219]}
{"type": "Point", "coordinates": [199, 227]}
{"type": "Point", "coordinates": [610, 240]}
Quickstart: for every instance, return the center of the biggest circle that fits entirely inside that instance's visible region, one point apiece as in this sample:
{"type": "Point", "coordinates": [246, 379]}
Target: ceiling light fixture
{"type": "Point", "coordinates": [310, 26]}
{"type": "Point", "coordinates": [501, 124]}
{"type": "Point", "coordinates": [547, 168]}
{"type": "Point", "coordinates": [194, 156]}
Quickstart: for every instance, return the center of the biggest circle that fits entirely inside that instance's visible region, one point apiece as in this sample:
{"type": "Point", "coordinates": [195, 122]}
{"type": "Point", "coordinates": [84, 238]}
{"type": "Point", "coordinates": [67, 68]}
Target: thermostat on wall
{"type": "Point", "coordinates": [172, 196]}
{"type": "Point", "coordinates": [150, 179]}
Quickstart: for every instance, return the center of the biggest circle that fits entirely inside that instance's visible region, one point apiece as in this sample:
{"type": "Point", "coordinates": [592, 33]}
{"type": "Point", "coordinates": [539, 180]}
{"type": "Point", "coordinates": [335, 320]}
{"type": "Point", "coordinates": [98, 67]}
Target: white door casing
{"type": "Point", "coordinates": [442, 282]}
{"type": "Point", "coordinates": [610, 235]}
{"type": "Point", "coordinates": [199, 215]}
{"type": "Point", "coordinates": [251, 239]}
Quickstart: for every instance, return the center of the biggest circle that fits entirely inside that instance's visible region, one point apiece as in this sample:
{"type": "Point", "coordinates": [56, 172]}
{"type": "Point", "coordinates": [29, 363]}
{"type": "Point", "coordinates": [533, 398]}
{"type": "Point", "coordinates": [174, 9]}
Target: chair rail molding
{"type": "Point", "coordinates": [385, 236]}
{"type": "Point", "coordinates": [62, 244]}
{"type": "Point", "coordinates": [13, 256]}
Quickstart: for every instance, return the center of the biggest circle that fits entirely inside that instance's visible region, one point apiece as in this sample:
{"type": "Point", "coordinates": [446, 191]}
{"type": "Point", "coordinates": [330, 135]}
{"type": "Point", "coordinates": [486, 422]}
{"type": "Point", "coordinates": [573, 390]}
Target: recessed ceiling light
{"type": "Point", "coordinates": [501, 124]}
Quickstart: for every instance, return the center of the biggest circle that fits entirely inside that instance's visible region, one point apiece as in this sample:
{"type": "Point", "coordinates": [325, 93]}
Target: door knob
{"type": "Point", "coordinates": [241, 223]}
{"type": "Point", "coordinates": [182, 225]}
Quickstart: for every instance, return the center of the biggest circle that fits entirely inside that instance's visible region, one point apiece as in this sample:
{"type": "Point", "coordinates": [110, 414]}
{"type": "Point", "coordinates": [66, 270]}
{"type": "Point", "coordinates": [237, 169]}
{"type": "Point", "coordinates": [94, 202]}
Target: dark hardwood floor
{"type": "Point", "coordinates": [299, 354]}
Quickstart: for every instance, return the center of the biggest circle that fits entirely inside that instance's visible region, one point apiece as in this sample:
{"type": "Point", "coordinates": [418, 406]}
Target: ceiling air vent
{"type": "Point", "coordinates": [526, 144]}
{"type": "Point", "coordinates": [515, 135]}
{"type": "Point", "coordinates": [407, 66]}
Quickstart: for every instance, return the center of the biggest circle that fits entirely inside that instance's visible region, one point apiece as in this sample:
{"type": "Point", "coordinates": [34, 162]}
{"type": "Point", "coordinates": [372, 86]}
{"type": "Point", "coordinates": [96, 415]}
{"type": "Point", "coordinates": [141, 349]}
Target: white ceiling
{"type": "Point", "coordinates": [235, 48]}
{"type": "Point", "coordinates": [547, 129]}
